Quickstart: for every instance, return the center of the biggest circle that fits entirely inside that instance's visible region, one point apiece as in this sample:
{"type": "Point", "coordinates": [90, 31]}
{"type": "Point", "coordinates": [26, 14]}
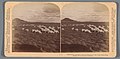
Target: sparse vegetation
{"type": "Point", "coordinates": [75, 36]}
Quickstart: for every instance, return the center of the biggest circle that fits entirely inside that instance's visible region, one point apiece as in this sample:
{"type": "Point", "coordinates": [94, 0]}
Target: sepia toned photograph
{"type": "Point", "coordinates": [36, 28]}
{"type": "Point", "coordinates": [85, 28]}
{"type": "Point", "coordinates": [60, 29]}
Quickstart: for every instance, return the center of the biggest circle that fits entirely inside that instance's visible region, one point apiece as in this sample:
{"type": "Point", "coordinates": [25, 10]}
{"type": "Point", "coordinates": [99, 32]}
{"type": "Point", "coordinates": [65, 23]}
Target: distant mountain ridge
{"type": "Point", "coordinates": [18, 20]}
{"type": "Point", "coordinates": [65, 20]}
{"type": "Point", "coordinates": [68, 20]}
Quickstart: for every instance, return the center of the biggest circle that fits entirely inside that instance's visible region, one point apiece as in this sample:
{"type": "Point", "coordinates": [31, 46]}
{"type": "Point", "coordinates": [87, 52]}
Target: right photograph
{"type": "Point", "coordinates": [85, 27]}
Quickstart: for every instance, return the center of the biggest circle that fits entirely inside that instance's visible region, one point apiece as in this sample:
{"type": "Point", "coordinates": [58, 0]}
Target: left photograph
{"type": "Point", "coordinates": [36, 27]}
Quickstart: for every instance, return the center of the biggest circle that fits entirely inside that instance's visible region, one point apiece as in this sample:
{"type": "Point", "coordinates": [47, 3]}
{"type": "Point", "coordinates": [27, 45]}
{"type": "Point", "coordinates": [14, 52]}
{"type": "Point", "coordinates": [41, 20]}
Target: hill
{"type": "Point", "coordinates": [68, 20]}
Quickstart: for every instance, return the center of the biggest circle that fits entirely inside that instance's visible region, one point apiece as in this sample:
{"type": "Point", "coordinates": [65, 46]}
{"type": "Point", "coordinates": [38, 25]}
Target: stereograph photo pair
{"type": "Point", "coordinates": [60, 29]}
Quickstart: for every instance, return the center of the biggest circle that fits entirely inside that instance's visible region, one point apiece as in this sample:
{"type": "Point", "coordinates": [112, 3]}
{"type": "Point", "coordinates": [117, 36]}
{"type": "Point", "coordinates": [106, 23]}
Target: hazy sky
{"type": "Point", "coordinates": [93, 12]}
{"type": "Point", "coordinates": [48, 12]}
{"type": "Point", "coordinates": [37, 12]}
